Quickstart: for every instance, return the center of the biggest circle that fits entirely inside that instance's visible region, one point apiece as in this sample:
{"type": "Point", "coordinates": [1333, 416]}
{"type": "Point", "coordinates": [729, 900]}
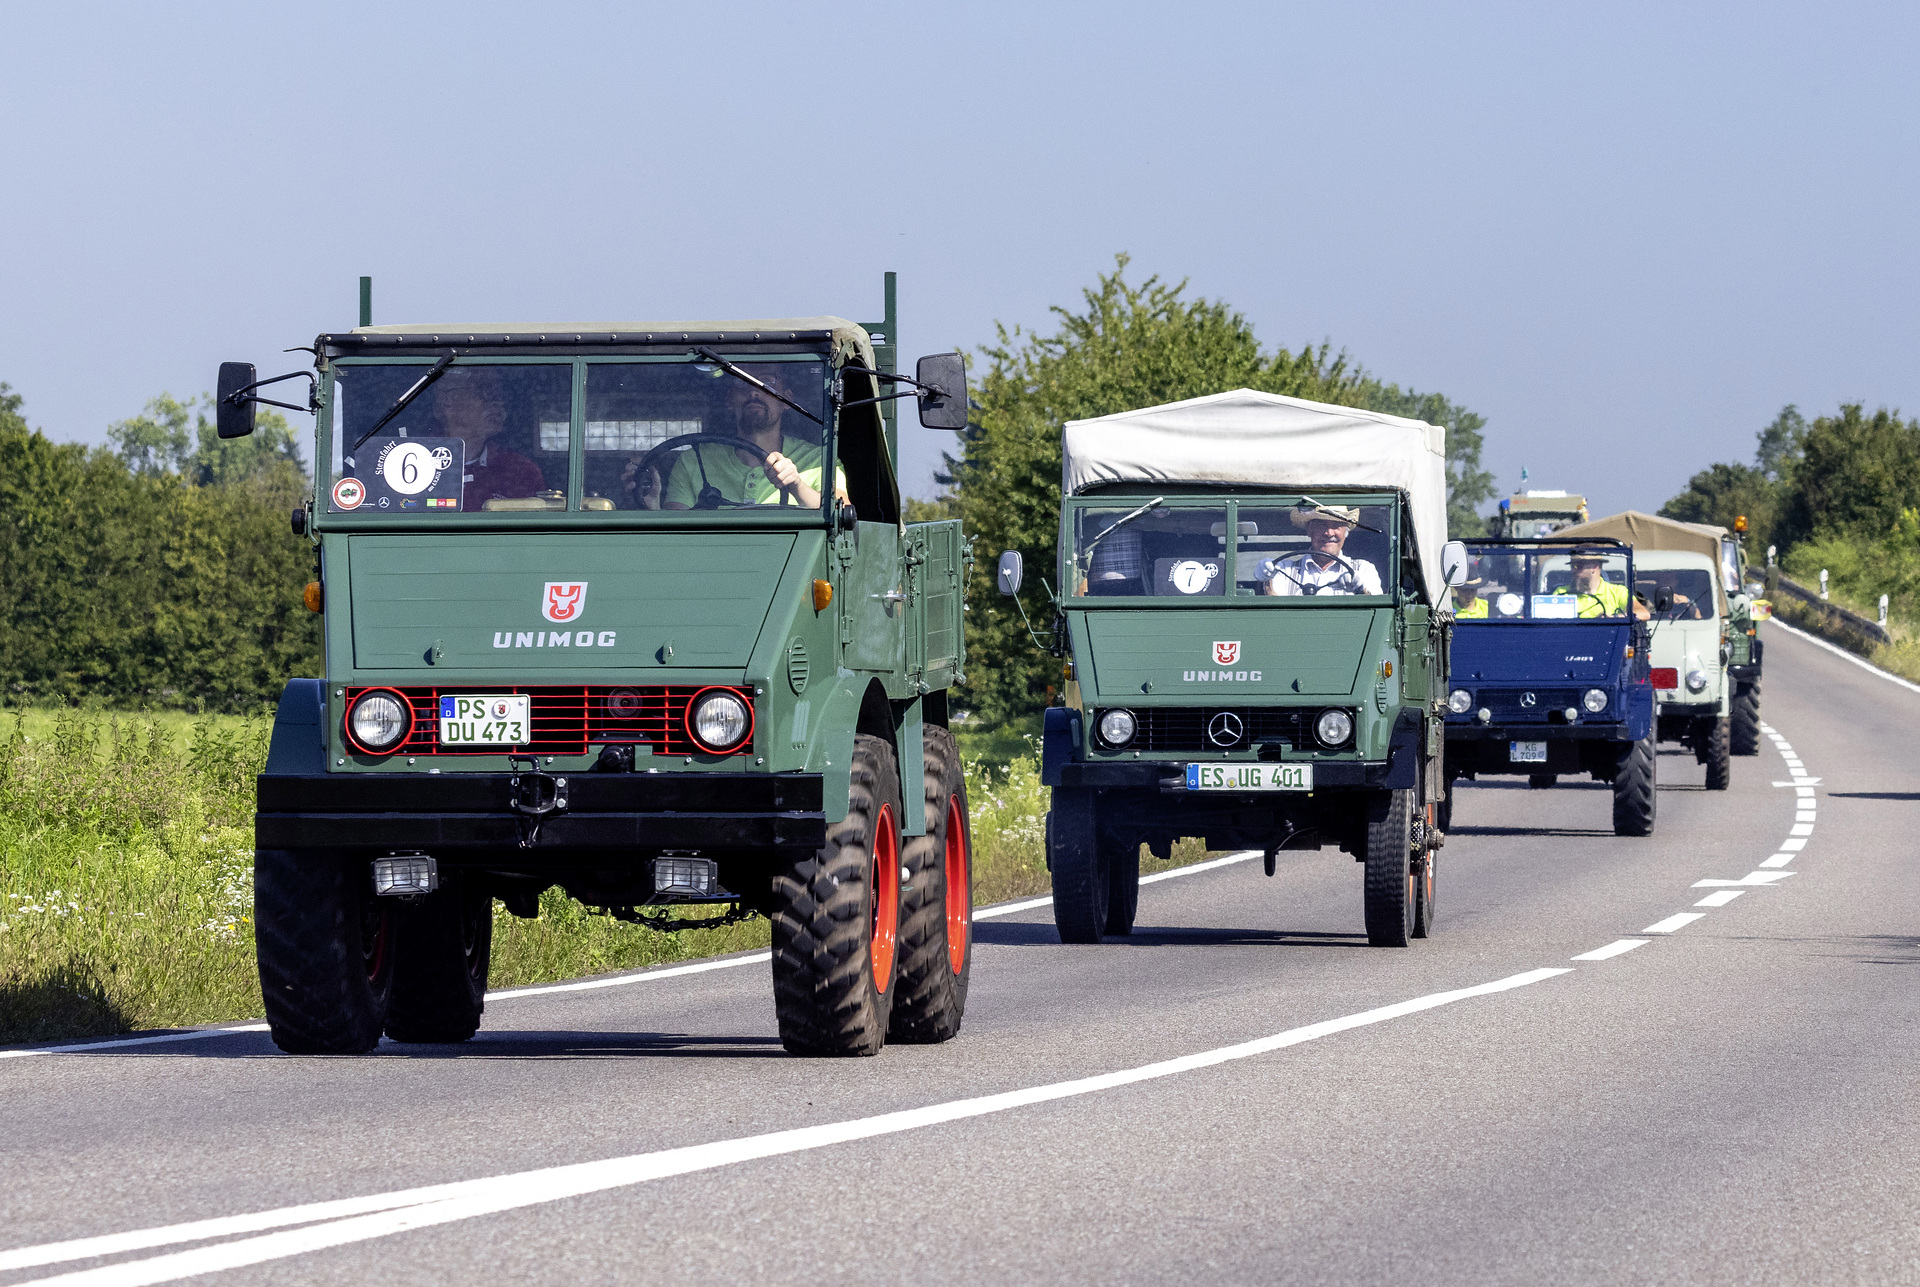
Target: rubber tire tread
{"type": "Point", "coordinates": [1122, 862]}
{"type": "Point", "coordinates": [1080, 882]}
{"type": "Point", "coordinates": [1746, 719]}
{"type": "Point", "coordinates": [930, 999]}
{"type": "Point", "coordinates": [1388, 899]}
{"type": "Point", "coordinates": [1636, 789]}
{"type": "Point", "coordinates": [824, 993]}
{"type": "Point", "coordinates": [1719, 756]}
{"type": "Point", "coordinates": [439, 976]}
{"type": "Point", "coordinates": [307, 938]}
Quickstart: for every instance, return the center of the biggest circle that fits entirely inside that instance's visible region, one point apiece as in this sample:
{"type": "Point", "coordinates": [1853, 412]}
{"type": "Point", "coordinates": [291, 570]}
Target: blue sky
{"type": "Point", "coordinates": [1625, 234]}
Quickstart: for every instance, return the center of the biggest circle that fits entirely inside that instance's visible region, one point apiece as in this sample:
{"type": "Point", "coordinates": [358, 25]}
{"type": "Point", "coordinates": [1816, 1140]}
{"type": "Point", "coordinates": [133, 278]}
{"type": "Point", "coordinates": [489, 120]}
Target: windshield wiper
{"type": "Point", "coordinates": [400, 404]}
{"type": "Point", "coordinates": [1122, 521]}
{"type": "Point", "coordinates": [710, 356]}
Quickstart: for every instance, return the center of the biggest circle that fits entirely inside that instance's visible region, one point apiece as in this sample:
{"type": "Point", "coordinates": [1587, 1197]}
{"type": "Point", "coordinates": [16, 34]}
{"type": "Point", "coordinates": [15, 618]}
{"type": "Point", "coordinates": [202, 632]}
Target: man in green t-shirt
{"type": "Point", "coordinates": [789, 474]}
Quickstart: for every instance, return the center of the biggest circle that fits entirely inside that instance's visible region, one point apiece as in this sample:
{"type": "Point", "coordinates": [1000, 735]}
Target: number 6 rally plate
{"type": "Point", "coordinates": [483, 719]}
{"type": "Point", "coordinates": [1249, 777]}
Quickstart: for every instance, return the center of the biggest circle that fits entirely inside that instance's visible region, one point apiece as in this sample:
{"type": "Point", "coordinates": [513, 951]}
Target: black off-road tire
{"type": "Point", "coordinates": [1718, 755]}
{"type": "Point", "coordinates": [1082, 883]}
{"type": "Point", "coordinates": [1541, 781]}
{"type": "Point", "coordinates": [1746, 718]}
{"type": "Point", "coordinates": [936, 912]}
{"type": "Point", "coordinates": [440, 970]}
{"type": "Point", "coordinates": [325, 946]}
{"type": "Point", "coordinates": [1123, 883]}
{"type": "Point", "coordinates": [827, 995]}
{"type": "Point", "coordinates": [1389, 879]}
{"type": "Point", "coordinates": [1635, 789]}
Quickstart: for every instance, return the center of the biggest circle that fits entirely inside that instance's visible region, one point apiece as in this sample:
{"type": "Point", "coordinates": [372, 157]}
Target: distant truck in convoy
{"type": "Point", "coordinates": [629, 609]}
{"type": "Point", "coordinates": [1537, 513]}
{"type": "Point", "coordinates": [1252, 593]}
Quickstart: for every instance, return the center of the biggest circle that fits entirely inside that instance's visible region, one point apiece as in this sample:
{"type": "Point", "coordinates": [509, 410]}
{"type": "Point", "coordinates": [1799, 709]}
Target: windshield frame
{"type": "Point", "coordinates": [1529, 547]}
{"type": "Point", "coordinates": [1177, 496]}
{"type": "Point", "coordinates": [785, 517]}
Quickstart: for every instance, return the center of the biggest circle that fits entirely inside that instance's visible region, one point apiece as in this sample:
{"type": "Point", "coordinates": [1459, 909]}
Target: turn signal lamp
{"type": "Point", "coordinates": [822, 595]}
{"type": "Point", "coordinates": [312, 596]}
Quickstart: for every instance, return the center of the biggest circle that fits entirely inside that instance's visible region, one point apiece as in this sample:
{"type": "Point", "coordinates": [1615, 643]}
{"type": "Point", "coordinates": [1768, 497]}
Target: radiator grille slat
{"type": "Point", "coordinates": [566, 720]}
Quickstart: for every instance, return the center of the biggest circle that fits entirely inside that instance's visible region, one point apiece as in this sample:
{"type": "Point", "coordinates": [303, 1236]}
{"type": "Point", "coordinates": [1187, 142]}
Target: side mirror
{"type": "Point", "coordinates": [233, 417]}
{"type": "Point", "coordinates": [1012, 571]}
{"type": "Point", "coordinates": [943, 399]}
{"type": "Point", "coordinates": [1662, 600]}
{"type": "Point", "coordinates": [1453, 562]}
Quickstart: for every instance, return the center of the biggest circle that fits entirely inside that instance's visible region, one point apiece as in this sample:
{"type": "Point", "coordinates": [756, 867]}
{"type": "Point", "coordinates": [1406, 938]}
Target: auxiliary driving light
{"type": "Point", "coordinates": [685, 877]}
{"type": "Point", "coordinates": [1460, 701]}
{"type": "Point", "coordinates": [1333, 728]}
{"type": "Point", "coordinates": [379, 720]}
{"type": "Point", "coordinates": [1595, 700]}
{"type": "Point", "coordinates": [1117, 727]}
{"type": "Point", "coordinates": [405, 875]}
{"type": "Point", "coordinates": [719, 720]}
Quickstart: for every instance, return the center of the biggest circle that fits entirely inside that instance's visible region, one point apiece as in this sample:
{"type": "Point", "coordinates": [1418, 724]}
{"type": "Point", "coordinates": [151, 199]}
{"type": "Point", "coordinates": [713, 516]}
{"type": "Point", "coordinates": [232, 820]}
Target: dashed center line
{"type": "Point", "coordinates": [1720, 899]}
{"type": "Point", "coordinates": [1679, 920]}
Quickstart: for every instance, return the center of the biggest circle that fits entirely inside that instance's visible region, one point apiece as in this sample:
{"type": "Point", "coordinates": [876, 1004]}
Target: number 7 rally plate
{"type": "Point", "coordinates": [485, 719]}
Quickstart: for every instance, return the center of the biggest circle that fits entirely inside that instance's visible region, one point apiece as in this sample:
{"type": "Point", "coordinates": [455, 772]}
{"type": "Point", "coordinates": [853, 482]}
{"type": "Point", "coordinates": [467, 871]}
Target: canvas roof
{"type": "Point", "coordinates": [1248, 438]}
{"type": "Point", "coordinates": [849, 338]}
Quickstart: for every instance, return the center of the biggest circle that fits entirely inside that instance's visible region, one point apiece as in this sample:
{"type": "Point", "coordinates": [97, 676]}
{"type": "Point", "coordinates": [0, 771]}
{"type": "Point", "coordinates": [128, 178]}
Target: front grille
{"type": "Point", "coordinates": [1505, 703]}
{"type": "Point", "coordinates": [1186, 728]}
{"type": "Point", "coordinates": [567, 720]}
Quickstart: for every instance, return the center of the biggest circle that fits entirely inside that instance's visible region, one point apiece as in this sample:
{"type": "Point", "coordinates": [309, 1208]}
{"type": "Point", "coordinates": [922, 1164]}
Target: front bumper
{"type": "Point", "coordinates": [446, 814]}
{"type": "Point", "coordinates": [1597, 731]}
{"type": "Point", "coordinates": [1171, 775]}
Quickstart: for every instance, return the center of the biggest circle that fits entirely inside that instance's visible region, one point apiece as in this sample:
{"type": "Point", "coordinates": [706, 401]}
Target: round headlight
{"type": "Point", "coordinates": [1118, 727]}
{"type": "Point", "coordinates": [1333, 727]}
{"type": "Point", "coordinates": [719, 720]}
{"type": "Point", "coordinates": [379, 721]}
{"type": "Point", "coordinates": [1595, 700]}
{"type": "Point", "coordinates": [1460, 701]}
{"type": "Point", "coordinates": [1696, 681]}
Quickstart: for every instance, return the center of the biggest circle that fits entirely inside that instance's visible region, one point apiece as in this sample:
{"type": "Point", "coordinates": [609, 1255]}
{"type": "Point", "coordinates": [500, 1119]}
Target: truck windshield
{"type": "Point", "coordinates": [500, 436]}
{"type": "Point", "coordinates": [1564, 583]}
{"type": "Point", "coordinates": [1277, 549]}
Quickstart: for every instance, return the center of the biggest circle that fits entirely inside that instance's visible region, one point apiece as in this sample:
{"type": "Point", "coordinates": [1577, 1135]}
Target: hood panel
{"type": "Point", "coordinates": [1277, 652]}
{"type": "Point", "coordinates": [482, 599]}
{"type": "Point", "coordinates": [1538, 653]}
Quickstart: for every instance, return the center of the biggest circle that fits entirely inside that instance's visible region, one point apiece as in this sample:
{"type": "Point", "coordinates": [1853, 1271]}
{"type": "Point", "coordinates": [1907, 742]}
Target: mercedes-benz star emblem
{"type": "Point", "coordinates": [1526, 699]}
{"type": "Point", "coordinates": [1224, 729]}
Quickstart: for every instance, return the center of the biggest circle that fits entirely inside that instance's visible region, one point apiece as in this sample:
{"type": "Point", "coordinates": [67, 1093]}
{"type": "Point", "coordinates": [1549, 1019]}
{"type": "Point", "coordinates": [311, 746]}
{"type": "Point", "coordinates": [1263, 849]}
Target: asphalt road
{"type": "Point", "coordinates": [1244, 1092]}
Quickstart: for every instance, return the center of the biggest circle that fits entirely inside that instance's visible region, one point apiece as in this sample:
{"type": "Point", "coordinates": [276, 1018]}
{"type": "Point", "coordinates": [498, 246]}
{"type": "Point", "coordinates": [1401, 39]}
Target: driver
{"type": "Point", "coordinates": [789, 471]}
{"type": "Point", "coordinates": [1322, 568]}
{"type": "Point", "coordinates": [1594, 594]}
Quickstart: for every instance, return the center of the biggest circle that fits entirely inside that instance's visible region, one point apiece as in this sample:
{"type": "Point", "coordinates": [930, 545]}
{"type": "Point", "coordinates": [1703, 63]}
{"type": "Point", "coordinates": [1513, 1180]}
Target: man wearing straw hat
{"type": "Point", "coordinates": [1322, 569]}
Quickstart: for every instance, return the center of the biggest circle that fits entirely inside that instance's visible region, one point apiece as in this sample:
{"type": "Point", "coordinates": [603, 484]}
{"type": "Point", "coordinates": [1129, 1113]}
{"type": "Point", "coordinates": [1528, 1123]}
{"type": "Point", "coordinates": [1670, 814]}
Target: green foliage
{"type": "Point", "coordinates": [162, 441]}
{"type": "Point", "coordinates": [1130, 346]}
{"type": "Point", "coordinates": [1721, 493]}
{"type": "Point", "coordinates": [1468, 485]}
{"type": "Point", "coordinates": [124, 580]}
{"type": "Point", "coordinates": [1855, 475]}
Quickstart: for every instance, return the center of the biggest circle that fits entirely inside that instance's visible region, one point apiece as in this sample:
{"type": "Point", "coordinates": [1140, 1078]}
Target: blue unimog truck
{"type": "Point", "coordinates": [1550, 672]}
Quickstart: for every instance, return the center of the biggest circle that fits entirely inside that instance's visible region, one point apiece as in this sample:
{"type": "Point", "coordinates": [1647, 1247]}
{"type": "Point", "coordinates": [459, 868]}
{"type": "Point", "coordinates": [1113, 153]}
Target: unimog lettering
{"type": "Point", "coordinates": [726, 489]}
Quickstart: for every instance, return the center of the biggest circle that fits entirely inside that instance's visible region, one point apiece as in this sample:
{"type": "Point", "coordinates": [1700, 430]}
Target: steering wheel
{"type": "Point", "coordinates": [709, 496]}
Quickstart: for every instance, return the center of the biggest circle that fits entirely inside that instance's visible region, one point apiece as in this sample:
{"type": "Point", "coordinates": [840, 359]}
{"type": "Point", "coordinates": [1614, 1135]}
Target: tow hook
{"type": "Point", "coordinates": [535, 796]}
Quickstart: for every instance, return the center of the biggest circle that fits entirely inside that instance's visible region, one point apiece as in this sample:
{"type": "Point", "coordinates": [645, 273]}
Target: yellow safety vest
{"type": "Point", "coordinates": [1609, 600]}
{"type": "Point", "coordinates": [1476, 609]}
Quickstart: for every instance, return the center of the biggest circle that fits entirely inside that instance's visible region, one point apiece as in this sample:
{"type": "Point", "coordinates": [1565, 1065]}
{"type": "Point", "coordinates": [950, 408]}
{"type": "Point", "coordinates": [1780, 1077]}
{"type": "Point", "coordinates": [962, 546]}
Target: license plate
{"type": "Point", "coordinates": [1528, 753]}
{"type": "Point", "coordinates": [485, 719]}
{"type": "Point", "coordinates": [1249, 777]}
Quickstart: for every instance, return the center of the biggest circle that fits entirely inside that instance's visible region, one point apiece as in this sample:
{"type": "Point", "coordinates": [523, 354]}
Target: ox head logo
{"type": "Point", "coordinates": [1226, 652]}
{"type": "Point", "coordinates": [563, 600]}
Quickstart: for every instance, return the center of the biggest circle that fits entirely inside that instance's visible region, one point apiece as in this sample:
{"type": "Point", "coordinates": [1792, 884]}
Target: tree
{"type": "Point", "coordinates": [1130, 346]}
{"type": "Point", "coordinates": [1781, 444]}
{"type": "Point", "coordinates": [1468, 485]}
{"type": "Point", "coordinates": [1723, 492]}
{"type": "Point", "coordinates": [1855, 475]}
{"type": "Point", "coordinates": [174, 437]}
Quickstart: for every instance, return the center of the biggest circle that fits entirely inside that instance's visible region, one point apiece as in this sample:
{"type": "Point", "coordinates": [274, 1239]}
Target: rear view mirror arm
{"type": "Point", "coordinates": [246, 393]}
{"type": "Point", "coordinates": [915, 391]}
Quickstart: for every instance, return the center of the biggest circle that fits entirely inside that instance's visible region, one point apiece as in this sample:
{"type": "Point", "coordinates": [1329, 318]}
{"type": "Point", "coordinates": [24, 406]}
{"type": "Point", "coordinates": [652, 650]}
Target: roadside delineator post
{"type": "Point", "coordinates": [1883, 612]}
{"type": "Point", "coordinates": [1823, 585]}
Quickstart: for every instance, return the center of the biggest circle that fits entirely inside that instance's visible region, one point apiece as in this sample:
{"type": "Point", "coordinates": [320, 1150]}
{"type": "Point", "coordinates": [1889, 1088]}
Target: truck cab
{"type": "Point", "coordinates": [628, 609]}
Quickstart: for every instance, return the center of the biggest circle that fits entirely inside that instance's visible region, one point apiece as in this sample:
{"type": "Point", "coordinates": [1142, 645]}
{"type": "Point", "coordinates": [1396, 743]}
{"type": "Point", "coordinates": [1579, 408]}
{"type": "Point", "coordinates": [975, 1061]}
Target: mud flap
{"type": "Point", "coordinates": [1060, 738]}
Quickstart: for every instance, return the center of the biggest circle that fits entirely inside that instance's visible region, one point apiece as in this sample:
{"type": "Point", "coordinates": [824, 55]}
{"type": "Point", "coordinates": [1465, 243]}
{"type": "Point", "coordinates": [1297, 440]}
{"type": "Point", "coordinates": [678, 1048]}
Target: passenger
{"type": "Point", "coordinates": [1117, 567]}
{"type": "Point", "coordinates": [789, 473]}
{"type": "Point", "coordinates": [1322, 568]}
{"type": "Point", "coordinates": [1595, 595]}
{"type": "Point", "coordinates": [1467, 603]}
{"type": "Point", "coordinates": [472, 406]}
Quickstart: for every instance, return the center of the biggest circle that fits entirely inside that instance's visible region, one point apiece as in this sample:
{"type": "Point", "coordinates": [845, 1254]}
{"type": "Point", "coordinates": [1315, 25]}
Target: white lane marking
{"type": "Point", "coordinates": [1801, 829]}
{"type": "Point", "coordinates": [1805, 815]}
{"type": "Point", "coordinates": [1613, 949]}
{"type": "Point", "coordinates": [192, 1035]}
{"type": "Point", "coordinates": [612, 980]}
{"type": "Point", "coordinates": [1747, 881]}
{"type": "Point", "coordinates": [1720, 899]}
{"type": "Point", "coordinates": [1804, 792]}
{"type": "Point", "coordinates": [1679, 920]}
{"type": "Point", "coordinates": [1779, 860]}
{"type": "Point", "coordinates": [1796, 844]}
{"type": "Point", "coordinates": [1843, 654]}
{"type": "Point", "coordinates": [467, 1199]}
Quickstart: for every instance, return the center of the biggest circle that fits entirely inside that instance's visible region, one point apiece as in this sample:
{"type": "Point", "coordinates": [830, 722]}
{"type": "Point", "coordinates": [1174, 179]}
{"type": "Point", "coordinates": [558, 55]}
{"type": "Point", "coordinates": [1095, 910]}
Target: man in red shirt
{"type": "Point", "coordinates": [472, 406]}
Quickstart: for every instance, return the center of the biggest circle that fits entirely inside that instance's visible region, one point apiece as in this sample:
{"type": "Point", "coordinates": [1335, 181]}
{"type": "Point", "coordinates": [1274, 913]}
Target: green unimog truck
{"type": "Point", "coordinates": [1252, 596]}
{"type": "Point", "coordinates": [626, 608]}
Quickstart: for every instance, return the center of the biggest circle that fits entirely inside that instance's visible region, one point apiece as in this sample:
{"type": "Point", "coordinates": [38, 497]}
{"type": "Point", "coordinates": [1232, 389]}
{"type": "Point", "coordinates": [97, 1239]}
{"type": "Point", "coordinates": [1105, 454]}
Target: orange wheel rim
{"type": "Point", "coordinates": [886, 898]}
{"type": "Point", "coordinates": [959, 887]}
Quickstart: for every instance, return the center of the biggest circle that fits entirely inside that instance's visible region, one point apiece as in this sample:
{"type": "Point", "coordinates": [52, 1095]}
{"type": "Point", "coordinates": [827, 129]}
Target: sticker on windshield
{"type": "Point", "coordinates": [404, 474]}
{"type": "Point", "coordinates": [1555, 605]}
